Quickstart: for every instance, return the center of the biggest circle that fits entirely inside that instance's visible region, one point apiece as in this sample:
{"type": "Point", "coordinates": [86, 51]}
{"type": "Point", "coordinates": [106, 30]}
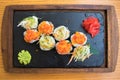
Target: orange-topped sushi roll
{"type": "Point", "coordinates": [63, 47]}
{"type": "Point", "coordinates": [46, 27]}
{"type": "Point", "coordinates": [78, 38]}
{"type": "Point", "coordinates": [31, 36]}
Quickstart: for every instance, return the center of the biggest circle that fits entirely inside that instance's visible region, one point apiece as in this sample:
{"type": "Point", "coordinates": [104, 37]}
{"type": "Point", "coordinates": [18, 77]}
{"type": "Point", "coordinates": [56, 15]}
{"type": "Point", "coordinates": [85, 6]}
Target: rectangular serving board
{"type": "Point", "coordinates": [106, 42]}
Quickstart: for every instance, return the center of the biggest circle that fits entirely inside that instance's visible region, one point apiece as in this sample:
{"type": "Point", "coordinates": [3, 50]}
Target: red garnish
{"type": "Point", "coordinates": [91, 25]}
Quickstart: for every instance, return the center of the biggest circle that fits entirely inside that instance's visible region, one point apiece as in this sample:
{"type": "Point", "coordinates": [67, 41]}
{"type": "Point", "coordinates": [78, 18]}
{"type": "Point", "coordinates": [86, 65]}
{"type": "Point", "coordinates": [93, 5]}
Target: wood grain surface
{"type": "Point", "coordinates": [61, 76]}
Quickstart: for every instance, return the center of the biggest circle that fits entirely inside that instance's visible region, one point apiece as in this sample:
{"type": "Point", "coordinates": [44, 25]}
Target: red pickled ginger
{"type": "Point", "coordinates": [91, 25]}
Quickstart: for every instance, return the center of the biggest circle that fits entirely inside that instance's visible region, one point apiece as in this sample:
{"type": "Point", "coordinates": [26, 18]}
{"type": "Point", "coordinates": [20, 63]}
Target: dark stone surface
{"type": "Point", "coordinates": [49, 59]}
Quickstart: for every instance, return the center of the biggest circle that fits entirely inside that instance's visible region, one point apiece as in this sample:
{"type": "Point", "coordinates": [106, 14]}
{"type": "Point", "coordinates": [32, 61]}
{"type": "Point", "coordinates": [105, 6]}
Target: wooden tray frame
{"type": "Point", "coordinates": [112, 37]}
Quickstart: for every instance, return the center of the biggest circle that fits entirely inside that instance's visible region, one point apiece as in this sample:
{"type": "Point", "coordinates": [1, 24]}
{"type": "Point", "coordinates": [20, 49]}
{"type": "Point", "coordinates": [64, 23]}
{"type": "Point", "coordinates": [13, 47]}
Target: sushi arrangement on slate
{"type": "Point", "coordinates": [59, 38]}
{"type": "Point", "coordinates": [49, 37]}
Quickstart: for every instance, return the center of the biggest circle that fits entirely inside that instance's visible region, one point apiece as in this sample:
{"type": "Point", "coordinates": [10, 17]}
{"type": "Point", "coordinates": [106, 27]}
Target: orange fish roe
{"type": "Point", "coordinates": [45, 27]}
{"type": "Point", "coordinates": [31, 35]}
{"type": "Point", "coordinates": [78, 38]}
{"type": "Point", "coordinates": [63, 47]}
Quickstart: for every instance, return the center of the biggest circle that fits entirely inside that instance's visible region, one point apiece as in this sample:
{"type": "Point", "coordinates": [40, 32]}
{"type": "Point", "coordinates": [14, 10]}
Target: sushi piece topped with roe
{"type": "Point", "coordinates": [30, 36]}
{"type": "Point", "coordinates": [46, 27]}
{"type": "Point", "coordinates": [64, 47]}
{"type": "Point", "coordinates": [78, 38]}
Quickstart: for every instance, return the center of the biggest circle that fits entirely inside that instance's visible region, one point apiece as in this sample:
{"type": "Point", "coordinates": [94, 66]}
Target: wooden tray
{"type": "Point", "coordinates": [111, 36]}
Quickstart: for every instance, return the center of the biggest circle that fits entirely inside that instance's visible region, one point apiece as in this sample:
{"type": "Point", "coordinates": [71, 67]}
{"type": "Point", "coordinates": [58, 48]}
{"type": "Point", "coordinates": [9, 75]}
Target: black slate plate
{"type": "Point", "coordinates": [51, 59]}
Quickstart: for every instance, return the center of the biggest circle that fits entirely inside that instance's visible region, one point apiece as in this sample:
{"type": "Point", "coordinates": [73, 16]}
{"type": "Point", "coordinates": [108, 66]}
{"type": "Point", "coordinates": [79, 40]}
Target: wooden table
{"type": "Point", "coordinates": [61, 76]}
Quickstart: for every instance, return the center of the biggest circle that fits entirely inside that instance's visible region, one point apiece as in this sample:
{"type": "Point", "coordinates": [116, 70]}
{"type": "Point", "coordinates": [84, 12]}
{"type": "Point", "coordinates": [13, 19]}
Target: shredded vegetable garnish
{"type": "Point", "coordinates": [24, 57]}
{"type": "Point", "coordinates": [80, 53]}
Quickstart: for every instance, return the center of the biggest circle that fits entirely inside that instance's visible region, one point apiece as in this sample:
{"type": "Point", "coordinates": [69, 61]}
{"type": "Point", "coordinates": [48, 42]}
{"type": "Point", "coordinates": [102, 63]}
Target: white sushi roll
{"type": "Point", "coordinates": [61, 33]}
{"type": "Point", "coordinates": [78, 39]}
{"type": "Point", "coordinates": [46, 42]}
{"type": "Point", "coordinates": [29, 23]}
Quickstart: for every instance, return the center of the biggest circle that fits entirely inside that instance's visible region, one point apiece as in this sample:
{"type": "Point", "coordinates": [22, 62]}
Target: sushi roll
{"type": "Point", "coordinates": [46, 27]}
{"type": "Point", "coordinates": [78, 39]}
{"type": "Point", "coordinates": [29, 23]}
{"type": "Point", "coordinates": [64, 47]}
{"type": "Point", "coordinates": [46, 42]}
{"type": "Point", "coordinates": [30, 36]}
{"type": "Point", "coordinates": [61, 33]}
{"type": "Point", "coordinates": [80, 53]}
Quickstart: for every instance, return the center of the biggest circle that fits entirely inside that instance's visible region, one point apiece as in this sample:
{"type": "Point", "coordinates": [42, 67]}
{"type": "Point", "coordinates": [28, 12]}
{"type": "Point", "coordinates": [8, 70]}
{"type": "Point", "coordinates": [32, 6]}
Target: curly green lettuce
{"type": "Point", "coordinates": [24, 57]}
